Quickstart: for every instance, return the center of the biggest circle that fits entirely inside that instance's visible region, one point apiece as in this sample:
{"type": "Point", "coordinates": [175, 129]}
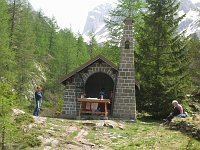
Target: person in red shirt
{"type": "Point", "coordinates": [177, 111]}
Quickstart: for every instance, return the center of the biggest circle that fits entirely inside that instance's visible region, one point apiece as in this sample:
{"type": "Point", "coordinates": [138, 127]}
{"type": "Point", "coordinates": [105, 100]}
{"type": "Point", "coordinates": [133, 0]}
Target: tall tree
{"type": "Point", "coordinates": [125, 8]}
{"type": "Point", "coordinates": [53, 27]}
{"type": "Point", "coordinates": [7, 97]}
{"type": "Point", "coordinates": [162, 58]}
{"type": "Point", "coordinates": [194, 48]}
{"type": "Point", "coordinates": [6, 55]}
{"type": "Point", "coordinates": [22, 41]}
{"type": "Point", "coordinates": [82, 54]}
{"type": "Point", "coordinates": [63, 60]}
{"type": "Point", "coordinates": [93, 45]}
{"type": "Point", "coordinates": [41, 30]}
{"type": "Point", "coordinates": [112, 52]}
{"type": "Point", "coordinates": [114, 24]}
{"type": "Point", "coordinates": [64, 55]}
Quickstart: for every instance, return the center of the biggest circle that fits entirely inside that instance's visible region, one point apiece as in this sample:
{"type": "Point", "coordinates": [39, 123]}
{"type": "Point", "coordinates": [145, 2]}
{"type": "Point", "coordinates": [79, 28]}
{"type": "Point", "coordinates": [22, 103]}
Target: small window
{"type": "Point", "coordinates": [127, 44]}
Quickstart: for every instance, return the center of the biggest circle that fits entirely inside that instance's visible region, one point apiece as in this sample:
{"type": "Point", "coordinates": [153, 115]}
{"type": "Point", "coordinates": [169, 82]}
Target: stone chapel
{"type": "Point", "coordinates": [99, 72]}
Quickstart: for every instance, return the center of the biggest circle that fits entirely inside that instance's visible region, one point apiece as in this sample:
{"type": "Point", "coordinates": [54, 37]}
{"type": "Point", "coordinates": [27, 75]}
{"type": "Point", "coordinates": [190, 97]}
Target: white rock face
{"type": "Point", "coordinates": [95, 21]}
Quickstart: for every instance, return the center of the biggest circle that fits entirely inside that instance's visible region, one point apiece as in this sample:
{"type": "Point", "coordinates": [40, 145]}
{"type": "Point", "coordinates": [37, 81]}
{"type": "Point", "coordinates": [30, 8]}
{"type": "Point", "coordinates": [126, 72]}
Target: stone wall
{"type": "Point", "coordinates": [73, 90]}
{"type": "Point", "coordinates": [186, 125]}
{"type": "Point", "coordinates": [99, 67]}
{"type": "Point", "coordinates": [75, 87]}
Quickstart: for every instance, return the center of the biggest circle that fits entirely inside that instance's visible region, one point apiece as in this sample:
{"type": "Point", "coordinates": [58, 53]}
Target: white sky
{"type": "Point", "coordinates": [195, 1]}
{"type": "Point", "coordinates": [70, 13]}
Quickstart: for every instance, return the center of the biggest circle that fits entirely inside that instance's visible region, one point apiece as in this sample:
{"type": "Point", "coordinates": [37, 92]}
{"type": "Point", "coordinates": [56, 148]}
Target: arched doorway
{"type": "Point", "coordinates": [97, 81]}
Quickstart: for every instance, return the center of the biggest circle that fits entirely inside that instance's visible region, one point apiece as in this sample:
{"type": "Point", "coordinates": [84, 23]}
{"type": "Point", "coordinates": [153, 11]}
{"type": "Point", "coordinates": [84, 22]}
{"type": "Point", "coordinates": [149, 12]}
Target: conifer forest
{"type": "Point", "coordinates": [34, 50]}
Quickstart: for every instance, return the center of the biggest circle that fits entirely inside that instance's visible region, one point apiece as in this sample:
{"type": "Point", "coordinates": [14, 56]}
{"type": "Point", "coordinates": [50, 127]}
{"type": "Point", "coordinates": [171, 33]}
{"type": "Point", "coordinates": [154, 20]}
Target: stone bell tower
{"type": "Point", "coordinates": [125, 103]}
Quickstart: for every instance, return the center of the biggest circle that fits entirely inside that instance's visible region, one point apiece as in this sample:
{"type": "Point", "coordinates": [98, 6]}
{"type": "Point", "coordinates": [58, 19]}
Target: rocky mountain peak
{"type": "Point", "coordinates": [95, 21]}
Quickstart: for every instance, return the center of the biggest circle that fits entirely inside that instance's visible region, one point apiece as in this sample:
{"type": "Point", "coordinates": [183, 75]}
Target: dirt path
{"type": "Point", "coordinates": [64, 134]}
{"type": "Point", "coordinates": [55, 135]}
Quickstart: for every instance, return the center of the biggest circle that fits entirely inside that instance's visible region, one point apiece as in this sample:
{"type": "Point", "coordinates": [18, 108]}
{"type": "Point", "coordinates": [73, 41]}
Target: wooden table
{"type": "Point", "coordinates": [90, 100]}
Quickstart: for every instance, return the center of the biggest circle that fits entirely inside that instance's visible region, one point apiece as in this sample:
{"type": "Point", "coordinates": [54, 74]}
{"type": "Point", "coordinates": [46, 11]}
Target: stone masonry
{"type": "Point", "coordinates": [125, 103]}
{"type": "Point", "coordinates": [74, 87]}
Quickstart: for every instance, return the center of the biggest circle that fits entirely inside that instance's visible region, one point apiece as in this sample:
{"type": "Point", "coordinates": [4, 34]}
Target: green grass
{"type": "Point", "coordinates": [146, 136]}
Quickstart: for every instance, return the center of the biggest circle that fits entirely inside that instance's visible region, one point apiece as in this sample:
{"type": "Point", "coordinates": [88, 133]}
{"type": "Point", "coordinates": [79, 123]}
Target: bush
{"type": "Point", "coordinates": [32, 140]}
{"type": "Point", "coordinates": [26, 140]}
{"type": "Point", "coordinates": [23, 119]}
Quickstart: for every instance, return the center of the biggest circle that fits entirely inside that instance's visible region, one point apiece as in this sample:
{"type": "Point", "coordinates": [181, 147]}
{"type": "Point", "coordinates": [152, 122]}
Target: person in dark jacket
{"type": "Point", "coordinates": [38, 100]}
{"type": "Point", "coordinates": [102, 95]}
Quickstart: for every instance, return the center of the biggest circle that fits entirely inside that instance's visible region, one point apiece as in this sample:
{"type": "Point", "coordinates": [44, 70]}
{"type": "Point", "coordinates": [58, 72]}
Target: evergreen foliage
{"type": "Point", "coordinates": [6, 55]}
{"type": "Point", "coordinates": [7, 98]}
{"type": "Point", "coordinates": [162, 58]}
{"type": "Point", "coordinates": [22, 43]}
{"type": "Point", "coordinates": [194, 47]}
{"type": "Point", "coordinates": [41, 27]}
{"type": "Point", "coordinates": [39, 51]}
{"type": "Point", "coordinates": [124, 9]}
{"type": "Point", "coordinates": [115, 24]}
{"type": "Point", "coordinates": [112, 52]}
{"type": "Point", "coordinates": [93, 45]}
{"type": "Point", "coordinates": [82, 51]}
{"type": "Point", "coordinates": [33, 50]}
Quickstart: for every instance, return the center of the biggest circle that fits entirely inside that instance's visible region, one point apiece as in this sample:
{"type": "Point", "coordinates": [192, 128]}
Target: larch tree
{"type": "Point", "coordinates": [6, 77]}
{"type": "Point", "coordinates": [7, 98]}
{"type": "Point", "coordinates": [114, 24]}
{"type": "Point", "coordinates": [41, 30]}
{"type": "Point", "coordinates": [52, 31]}
{"type": "Point", "coordinates": [6, 55]}
{"type": "Point", "coordinates": [124, 8]}
{"type": "Point", "coordinates": [22, 40]}
{"type": "Point", "coordinates": [82, 52]}
{"type": "Point", "coordinates": [111, 52]}
{"type": "Point", "coordinates": [63, 55]}
{"type": "Point", "coordinates": [93, 45]}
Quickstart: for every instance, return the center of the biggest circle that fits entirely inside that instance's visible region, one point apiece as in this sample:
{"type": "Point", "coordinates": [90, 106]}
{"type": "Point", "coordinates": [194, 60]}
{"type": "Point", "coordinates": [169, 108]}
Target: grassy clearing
{"type": "Point", "coordinates": [142, 135]}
